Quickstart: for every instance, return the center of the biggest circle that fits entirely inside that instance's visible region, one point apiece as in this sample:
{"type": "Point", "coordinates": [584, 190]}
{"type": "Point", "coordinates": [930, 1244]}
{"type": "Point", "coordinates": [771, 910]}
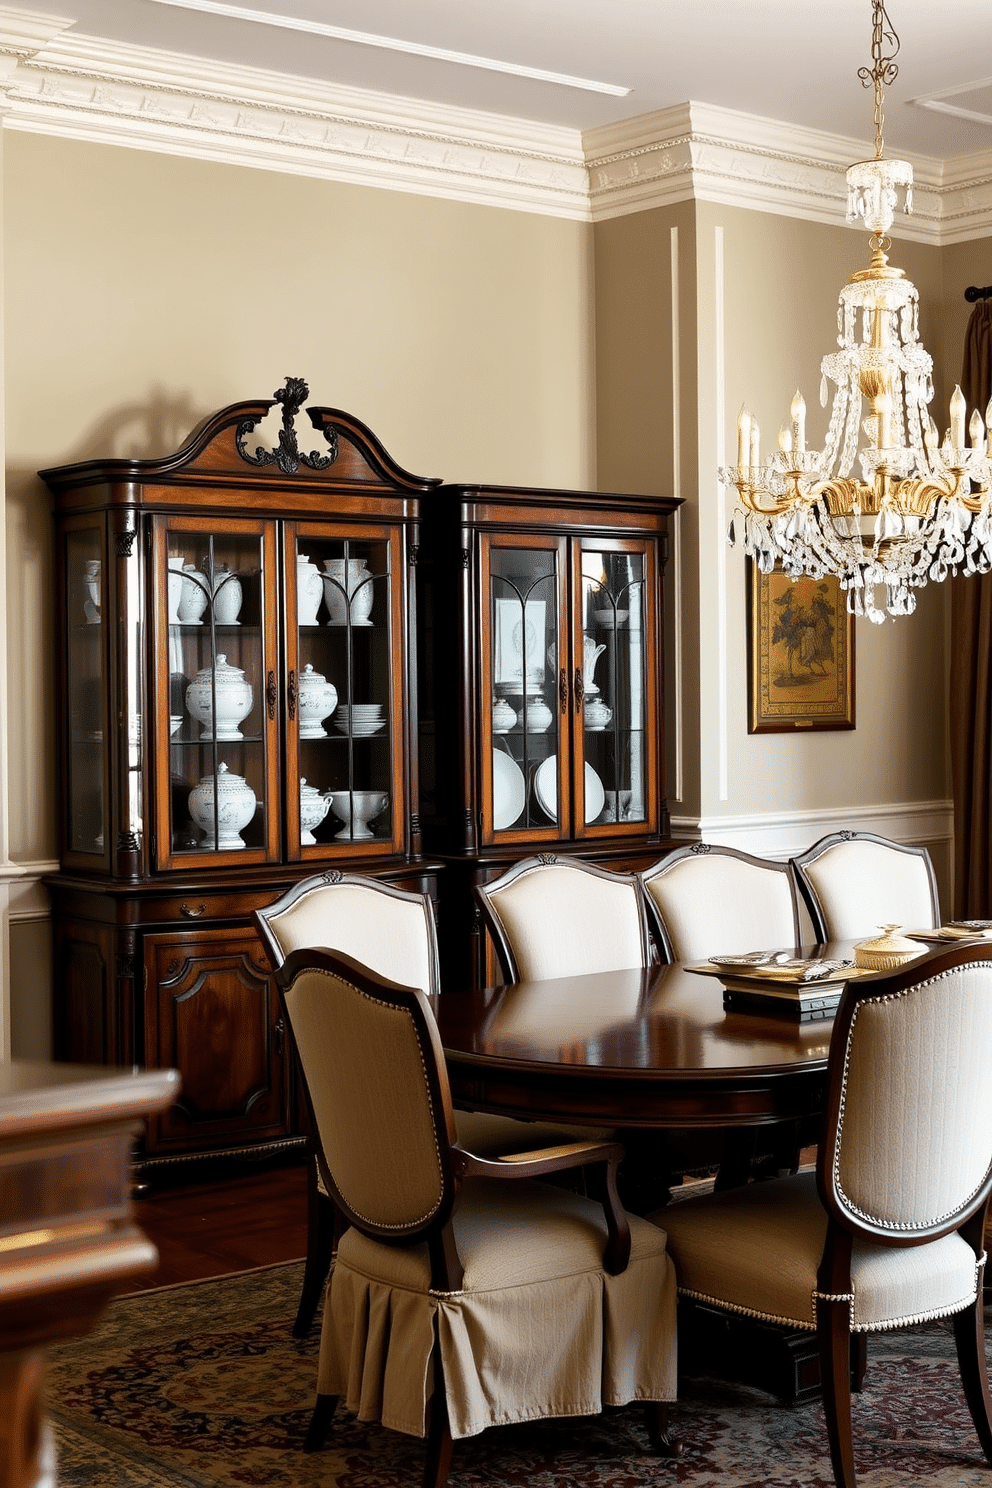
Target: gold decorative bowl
{"type": "Point", "coordinates": [886, 951]}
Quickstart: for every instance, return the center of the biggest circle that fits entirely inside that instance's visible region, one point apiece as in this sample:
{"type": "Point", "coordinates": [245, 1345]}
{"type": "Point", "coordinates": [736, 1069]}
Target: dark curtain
{"type": "Point", "coordinates": [971, 677]}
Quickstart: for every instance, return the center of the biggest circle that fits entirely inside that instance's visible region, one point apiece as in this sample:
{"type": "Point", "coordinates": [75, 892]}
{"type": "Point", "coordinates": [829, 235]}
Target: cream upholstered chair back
{"type": "Point", "coordinates": [369, 1056]}
{"type": "Point", "coordinates": [390, 930]}
{"type": "Point", "coordinates": [908, 1146]}
{"type": "Point", "coordinates": [854, 882]}
{"type": "Point", "coordinates": [555, 917]}
{"type": "Point", "coordinates": [713, 901]}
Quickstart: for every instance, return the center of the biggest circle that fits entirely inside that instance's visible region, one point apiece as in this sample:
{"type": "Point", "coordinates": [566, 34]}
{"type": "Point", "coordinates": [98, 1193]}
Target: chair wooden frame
{"type": "Point", "coordinates": [456, 1164]}
{"type": "Point", "coordinates": [801, 862]}
{"type": "Point", "coordinates": [323, 1221]}
{"type": "Point", "coordinates": [659, 929]}
{"type": "Point", "coordinates": [494, 923]}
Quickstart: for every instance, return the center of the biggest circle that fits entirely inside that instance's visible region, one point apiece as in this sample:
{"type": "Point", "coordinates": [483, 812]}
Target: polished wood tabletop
{"type": "Point", "coordinates": [652, 1048]}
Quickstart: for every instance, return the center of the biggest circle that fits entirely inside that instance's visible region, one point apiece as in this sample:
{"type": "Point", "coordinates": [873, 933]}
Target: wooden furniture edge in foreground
{"type": "Point", "coordinates": [67, 1238]}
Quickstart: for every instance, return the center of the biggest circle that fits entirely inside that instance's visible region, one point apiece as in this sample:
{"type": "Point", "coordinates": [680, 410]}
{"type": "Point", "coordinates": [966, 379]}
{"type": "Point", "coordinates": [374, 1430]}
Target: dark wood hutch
{"type": "Point", "coordinates": [278, 659]}
{"type": "Point", "coordinates": [237, 707]}
{"type": "Point", "coordinates": [542, 697]}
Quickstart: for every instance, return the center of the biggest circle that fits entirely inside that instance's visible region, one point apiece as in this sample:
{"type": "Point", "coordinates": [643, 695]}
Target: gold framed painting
{"type": "Point", "coordinates": [800, 653]}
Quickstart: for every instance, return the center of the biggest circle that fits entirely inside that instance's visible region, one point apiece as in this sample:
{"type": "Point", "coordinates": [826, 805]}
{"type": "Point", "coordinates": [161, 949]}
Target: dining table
{"type": "Point", "coordinates": [646, 1049]}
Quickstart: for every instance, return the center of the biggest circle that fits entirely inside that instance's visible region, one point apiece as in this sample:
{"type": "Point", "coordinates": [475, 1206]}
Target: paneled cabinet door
{"type": "Point", "coordinates": [569, 693]}
{"type": "Point", "coordinates": [525, 725]}
{"type": "Point", "coordinates": [346, 700]}
{"type": "Point", "coordinates": [216, 714]}
{"type": "Point", "coordinates": [212, 1012]}
{"type": "Point", "coordinates": [615, 686]}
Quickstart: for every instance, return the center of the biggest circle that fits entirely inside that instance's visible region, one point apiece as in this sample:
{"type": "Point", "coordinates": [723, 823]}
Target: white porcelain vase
{"type": "Point", "coordinates": [235, 698]}
{"type": "Point", "coordinates": [590, 655]}
{"type": "Point", "coordinates": [348, 579]}
{"type": "Point", "coordinates": [92, 590]}
{"type": "Point", "coordinates": [317, 699]}
{"type": "Point", "coordinates": [313, 808]}
{"type": "Point", "coordinates": [193, 600]}
{"type": "Point", "coordinates": [309, 590]}
{"type": "Point", "coordinates": [234, 802]}
{"type": "Point", "coordinates": [228, 596]}
{"type": "Point", "coordinates": [175, 589]}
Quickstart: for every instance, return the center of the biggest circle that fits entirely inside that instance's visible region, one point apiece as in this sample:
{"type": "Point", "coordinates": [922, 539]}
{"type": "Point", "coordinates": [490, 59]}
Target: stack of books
{"type": "Point", "coordinates": [779, 984]}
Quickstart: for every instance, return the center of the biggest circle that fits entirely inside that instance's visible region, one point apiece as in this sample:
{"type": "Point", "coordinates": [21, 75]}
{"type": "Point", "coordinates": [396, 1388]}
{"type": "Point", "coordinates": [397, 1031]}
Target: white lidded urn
{"type": "Point", "coordinates": [348, 579]}
{"type": "Point", "coordinates": [235, 697]}
{"type": "Point", "coordinates": [537, 715]}
{"type": "Point", "coordinates": [309, 590]}
{"type": "Point", "coordinates": [313, 808]}
{"type": "Point", "coordinates": [234, 802]}
{"type": "Point", "coordinates": [503, 716]}
{"type": "Point", "coordinates": [316, 701]}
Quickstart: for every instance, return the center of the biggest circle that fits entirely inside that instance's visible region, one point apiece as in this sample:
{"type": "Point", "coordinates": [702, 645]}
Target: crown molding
{"type": "Point", "coordinates": [82, 88]}
{"type": "Point", "coordinates": [702, 152]}
{"type": "Point", "coordinates": [54, 81]}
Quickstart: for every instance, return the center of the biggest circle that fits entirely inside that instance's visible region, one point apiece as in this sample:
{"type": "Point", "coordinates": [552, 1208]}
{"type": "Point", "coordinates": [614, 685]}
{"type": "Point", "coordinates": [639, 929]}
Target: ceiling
{"type": "Point", "coordinates": [772, 58]}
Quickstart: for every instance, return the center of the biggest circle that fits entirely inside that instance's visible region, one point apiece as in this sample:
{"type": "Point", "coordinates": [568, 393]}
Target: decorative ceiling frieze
{"type": "Point", "coordinates": [55, 82]}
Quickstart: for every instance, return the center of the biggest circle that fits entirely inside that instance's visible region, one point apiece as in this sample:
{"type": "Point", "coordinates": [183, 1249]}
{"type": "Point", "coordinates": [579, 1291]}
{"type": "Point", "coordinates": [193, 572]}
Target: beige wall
{"type": "Point", "coordinates": [144, 291]}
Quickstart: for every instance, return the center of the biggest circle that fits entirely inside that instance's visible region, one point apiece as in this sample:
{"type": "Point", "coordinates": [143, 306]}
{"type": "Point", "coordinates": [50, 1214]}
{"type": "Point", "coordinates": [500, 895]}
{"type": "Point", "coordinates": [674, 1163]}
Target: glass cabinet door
{"type": "Point", "coordinates": [525, 715]}
{"type": "Point", "coordinates": [86, 802]}
{"type": "Point", "coordinates": [345, 700]}
{"type": "Point", "coordinates": [616, 658]}
{"type": "Point", "coordinates": [216, 695]}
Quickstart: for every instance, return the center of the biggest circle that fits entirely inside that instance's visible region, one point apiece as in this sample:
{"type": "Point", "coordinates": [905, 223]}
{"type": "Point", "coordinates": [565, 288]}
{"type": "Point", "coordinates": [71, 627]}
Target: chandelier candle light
{"type": "Point", "coordinates": [922, 508]}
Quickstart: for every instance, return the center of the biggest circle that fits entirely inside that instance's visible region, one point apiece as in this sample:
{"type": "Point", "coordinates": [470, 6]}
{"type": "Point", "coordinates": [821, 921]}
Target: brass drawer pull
{"type": "Point", "coordinates": [189, 913]}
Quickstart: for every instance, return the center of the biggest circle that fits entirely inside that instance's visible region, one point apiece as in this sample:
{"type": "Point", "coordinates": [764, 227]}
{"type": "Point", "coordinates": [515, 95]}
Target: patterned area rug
{"type": "Point", "coordinates": [202, 1385]}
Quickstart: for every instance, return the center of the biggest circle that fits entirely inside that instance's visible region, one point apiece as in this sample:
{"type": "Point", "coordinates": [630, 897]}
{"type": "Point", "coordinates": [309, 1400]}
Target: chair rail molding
{"type": "Point", "coordinates": [782, 834]}
{"type": "Point", "coordinates": [57, 81]}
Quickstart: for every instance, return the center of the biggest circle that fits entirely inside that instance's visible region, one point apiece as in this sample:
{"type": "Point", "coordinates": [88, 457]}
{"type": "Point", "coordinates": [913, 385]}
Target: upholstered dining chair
{"type": "Point", "coordinates": [711, 901]}
{"type": "Point", "coordinates": [552, 916]}
{"type": "Point", "coordinates": [393, 932]}
{"type": "Point", "coordinates": [889, 1230]}
{"type": "Point", "coordinates": [464, 1294]}
{"type": "Point", "coordinates": [854, 882]}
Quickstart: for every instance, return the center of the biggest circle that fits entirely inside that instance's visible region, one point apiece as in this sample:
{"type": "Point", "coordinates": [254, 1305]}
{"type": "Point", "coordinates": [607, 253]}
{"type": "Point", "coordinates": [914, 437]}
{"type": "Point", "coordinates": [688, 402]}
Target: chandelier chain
{"type": "Point", "coordinates": [883, 70]}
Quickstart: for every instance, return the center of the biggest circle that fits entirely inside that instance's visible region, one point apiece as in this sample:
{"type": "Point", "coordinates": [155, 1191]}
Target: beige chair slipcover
{"type": "Point", "coordinates": [537, 1327]}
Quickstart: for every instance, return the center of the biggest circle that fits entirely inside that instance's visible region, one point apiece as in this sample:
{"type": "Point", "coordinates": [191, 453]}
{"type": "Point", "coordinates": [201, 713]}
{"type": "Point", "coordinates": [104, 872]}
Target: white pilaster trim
{"type": "Point", "coordinates": [58, 82]}
{"type": "Point", "coordinates": [676, 690]}
{"type": "Point", "coordinates": [783, 834]}
{"type": "Point", "coordinates": [719, 538]}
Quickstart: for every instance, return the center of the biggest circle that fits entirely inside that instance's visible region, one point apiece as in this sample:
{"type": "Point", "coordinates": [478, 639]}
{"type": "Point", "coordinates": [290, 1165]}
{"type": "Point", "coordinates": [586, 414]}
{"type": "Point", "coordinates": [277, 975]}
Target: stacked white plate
{"type": "Point", "coordinates": [359, 719]}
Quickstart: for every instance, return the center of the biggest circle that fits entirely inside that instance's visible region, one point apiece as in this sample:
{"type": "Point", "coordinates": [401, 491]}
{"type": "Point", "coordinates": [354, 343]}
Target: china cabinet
{"type": "Point", "coordinates": [238, 706]}
{"type": "Point", "coordinates": [542, 698]}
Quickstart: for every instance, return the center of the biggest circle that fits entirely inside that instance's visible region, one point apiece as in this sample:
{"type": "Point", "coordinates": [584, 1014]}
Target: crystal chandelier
{"type": "Point", "coordinates": [922, 508]}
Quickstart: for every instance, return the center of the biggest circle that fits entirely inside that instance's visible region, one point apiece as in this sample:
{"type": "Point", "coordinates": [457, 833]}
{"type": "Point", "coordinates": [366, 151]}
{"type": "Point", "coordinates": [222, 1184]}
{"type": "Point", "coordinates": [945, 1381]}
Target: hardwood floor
{"type": "Point", "coordinates": [218, 1224]}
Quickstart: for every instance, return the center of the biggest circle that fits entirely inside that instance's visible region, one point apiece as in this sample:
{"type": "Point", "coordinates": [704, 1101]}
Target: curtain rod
{"type": "Point", "coordinates": [972, 294]}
